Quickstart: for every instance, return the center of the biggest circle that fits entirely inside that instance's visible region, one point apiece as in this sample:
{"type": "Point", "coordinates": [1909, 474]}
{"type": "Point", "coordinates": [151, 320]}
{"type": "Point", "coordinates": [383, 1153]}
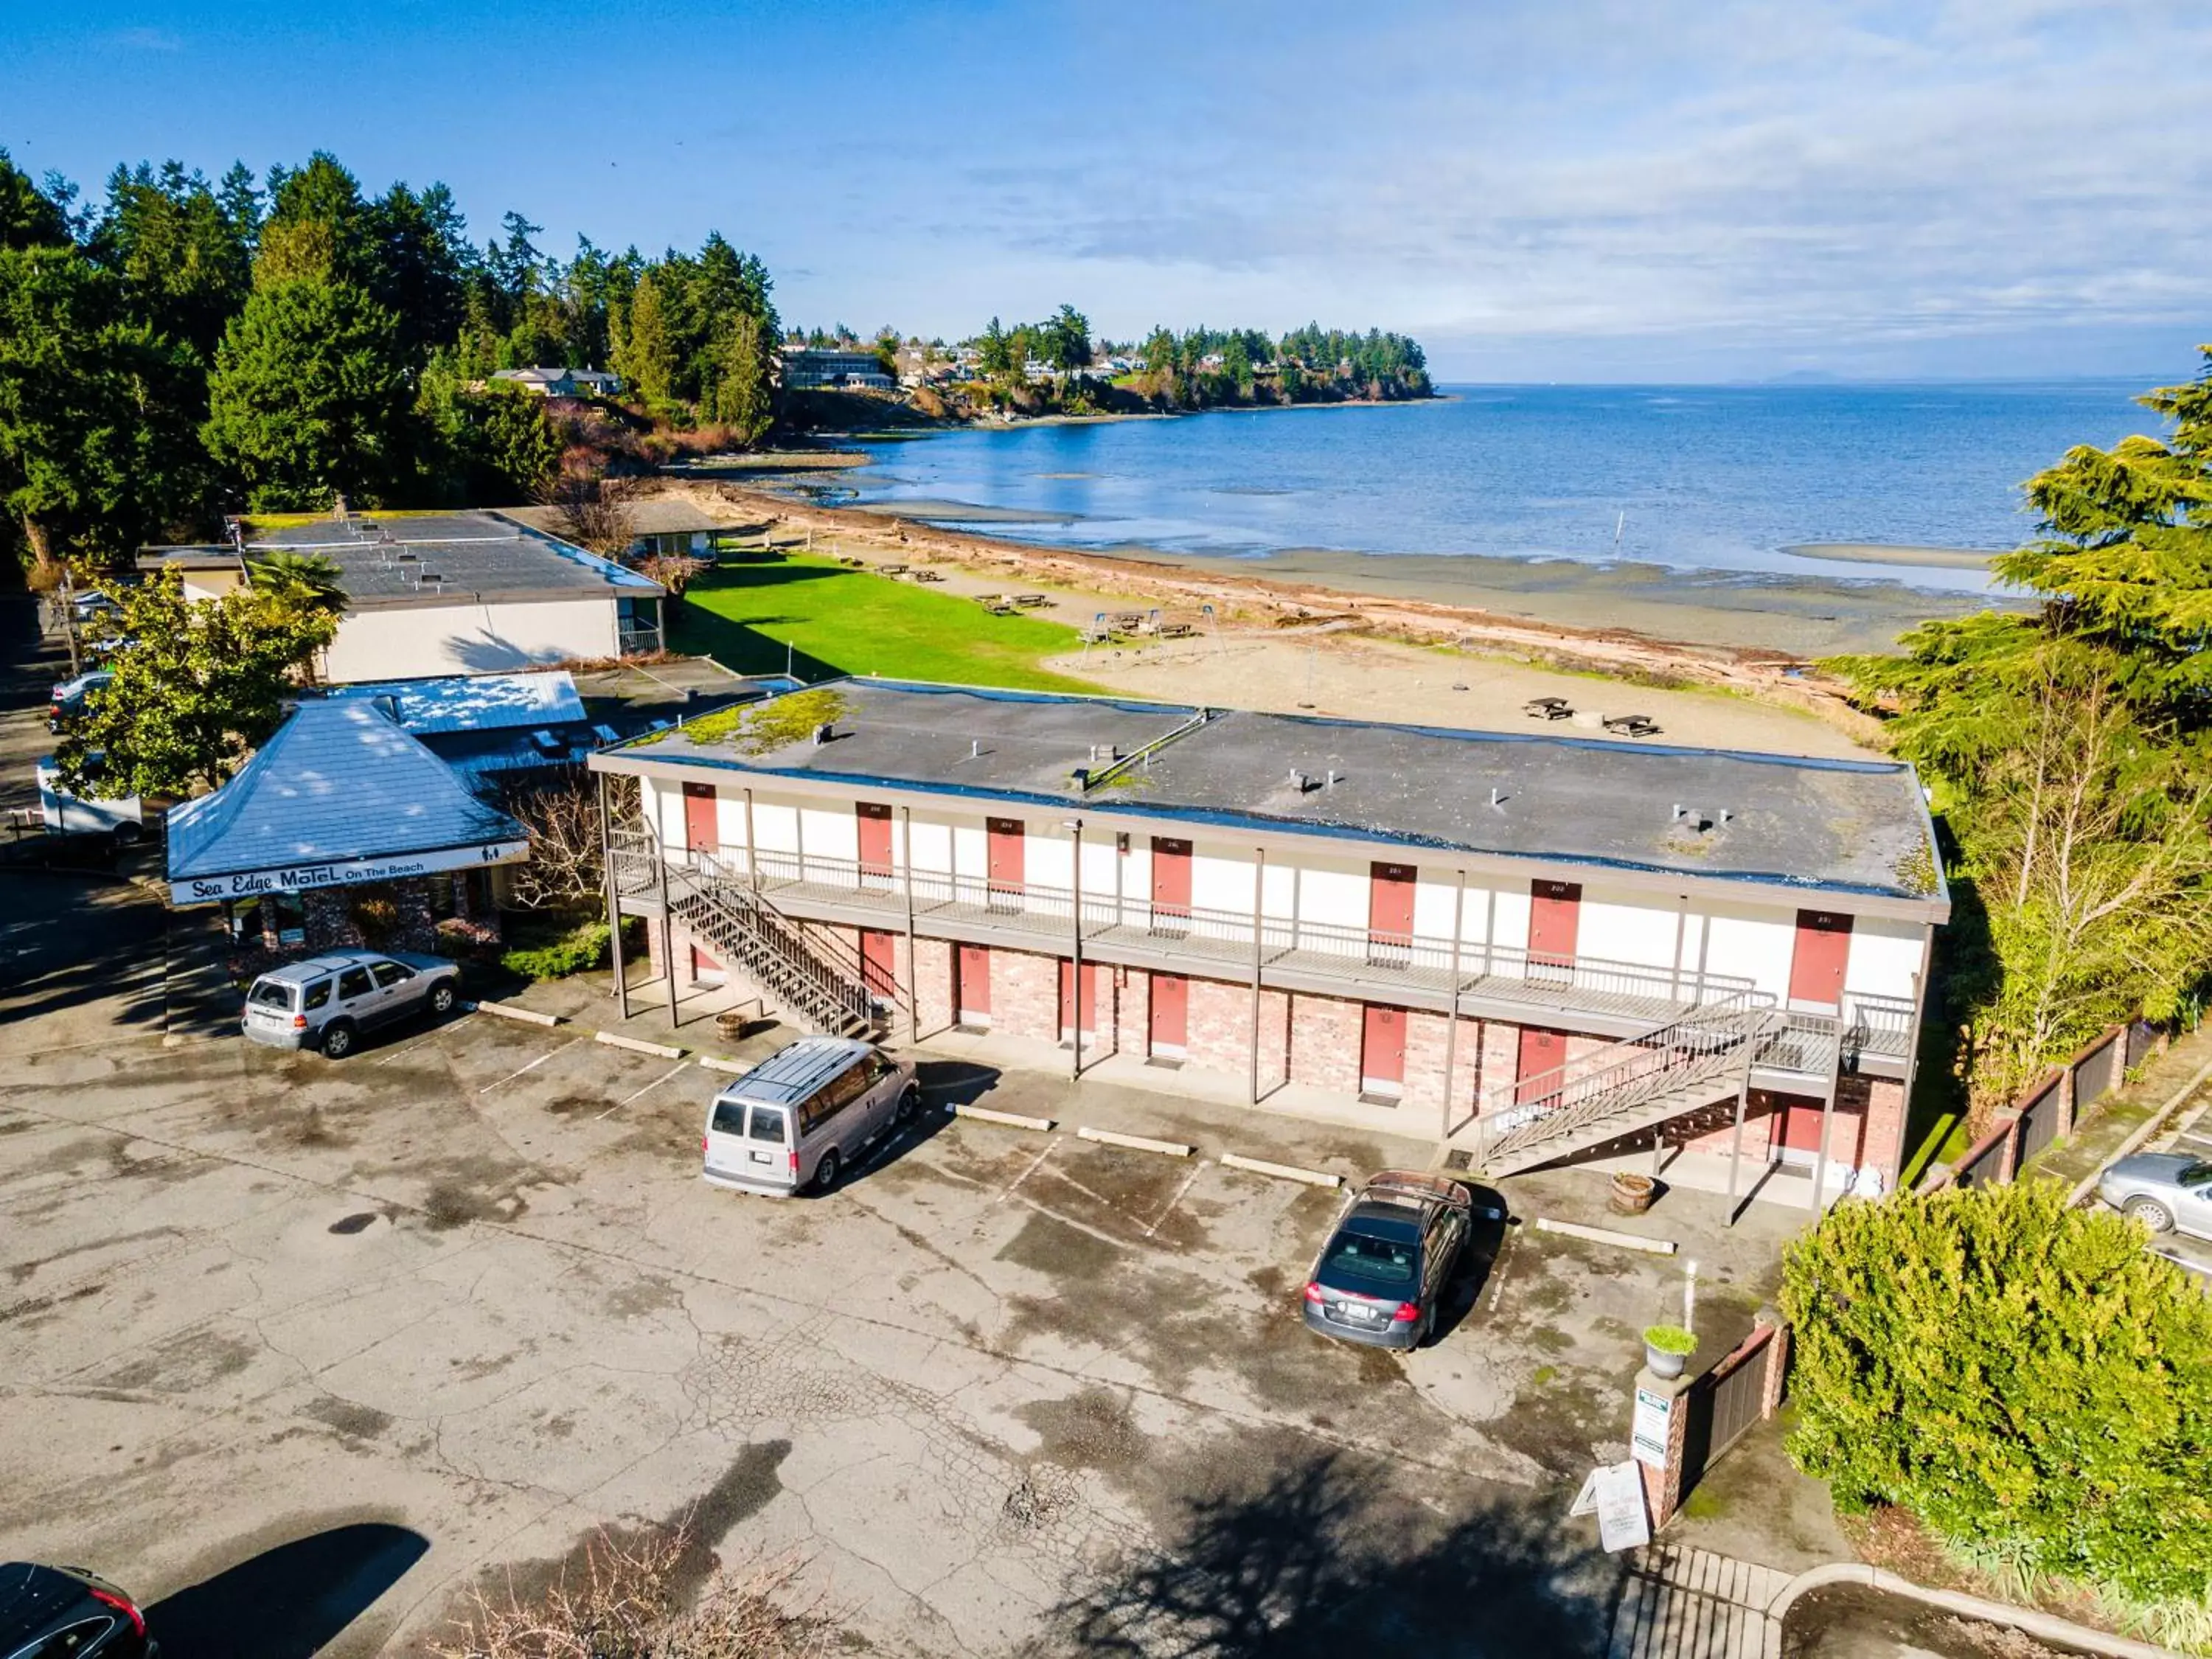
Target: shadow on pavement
{"type": "Point", "coordinates": [1328, 1554]}
{"type": "Point", "coordinates": [286, 1602]}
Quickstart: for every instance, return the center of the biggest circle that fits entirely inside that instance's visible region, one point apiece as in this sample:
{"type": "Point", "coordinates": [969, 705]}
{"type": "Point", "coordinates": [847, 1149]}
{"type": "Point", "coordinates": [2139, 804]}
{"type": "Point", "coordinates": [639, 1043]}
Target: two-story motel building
{"type": "Point", "coordinates": [1438, 932]}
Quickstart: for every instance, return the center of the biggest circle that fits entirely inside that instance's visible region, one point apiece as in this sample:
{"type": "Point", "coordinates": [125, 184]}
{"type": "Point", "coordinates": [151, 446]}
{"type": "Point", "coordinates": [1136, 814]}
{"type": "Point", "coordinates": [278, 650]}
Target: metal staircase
{"type": "Point", "coordinates": [1697, 1060]}
{"type": "Point", "coordinates": [811, 978]}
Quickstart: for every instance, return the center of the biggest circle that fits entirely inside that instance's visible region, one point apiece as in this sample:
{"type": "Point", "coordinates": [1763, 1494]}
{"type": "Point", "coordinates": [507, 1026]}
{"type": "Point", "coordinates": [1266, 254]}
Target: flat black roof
{"type": "Point", "coordinates": [1850, 826]}
{"type": "Point", "coordinates": [387, 561]}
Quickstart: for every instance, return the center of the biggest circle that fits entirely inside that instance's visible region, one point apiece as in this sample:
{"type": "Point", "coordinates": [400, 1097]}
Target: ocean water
{"type": "Point", "coordinates": [1695, 477]}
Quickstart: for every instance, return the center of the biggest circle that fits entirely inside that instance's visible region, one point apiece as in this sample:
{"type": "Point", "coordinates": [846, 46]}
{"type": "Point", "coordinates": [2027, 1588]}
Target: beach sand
{"type": "Point", "coordinates": [1715, 659]}
{"type": "Point", "coordinates": [1947, 558]}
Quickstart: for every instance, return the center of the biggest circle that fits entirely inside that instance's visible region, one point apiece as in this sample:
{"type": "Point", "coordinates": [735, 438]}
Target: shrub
{"type": "Point", "coordinates": [1671, 1338]}
{"type": "Point", "coordinates": [2025, 1377]}
{"type": "Point", "coordinates": [582, 948]}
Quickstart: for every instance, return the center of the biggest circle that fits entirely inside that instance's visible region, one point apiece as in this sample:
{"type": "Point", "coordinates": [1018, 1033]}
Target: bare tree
{"type": "Point", "coordinates": [595, 511]}
{"type": "Point", "coordinates": [627, 1601]}
{"type": "Point", "coordinates": [566, 868]}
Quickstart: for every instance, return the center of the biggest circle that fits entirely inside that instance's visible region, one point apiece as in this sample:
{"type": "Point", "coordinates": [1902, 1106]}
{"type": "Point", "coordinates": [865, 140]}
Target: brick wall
{"type": "Point", "coordinates": [1221, 1026]}
{"type": "Point", "coordinates": [1426, 1039]}
{"type": "Point", "coordinates": [932, 982]}
{"type": "Point", "coordinates": [1025, 994]}
{"type": "Point", "coordinates": [1326, 1034]}
{"type": "Point", "coordinates": [1135, 1010]}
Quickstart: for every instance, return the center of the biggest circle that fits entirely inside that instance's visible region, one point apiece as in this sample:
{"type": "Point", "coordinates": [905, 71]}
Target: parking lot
{"type": "Point", "coordinates": [453, 1304]}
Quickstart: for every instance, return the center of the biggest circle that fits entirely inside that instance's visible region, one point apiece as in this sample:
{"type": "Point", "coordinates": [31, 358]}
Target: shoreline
{"type": "Point", "coordinates": [1625, 623]}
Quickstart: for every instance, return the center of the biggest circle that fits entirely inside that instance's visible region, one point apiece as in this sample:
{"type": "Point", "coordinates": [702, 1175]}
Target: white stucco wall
{"type": "Point", "coordinates": [468, 639]}
{"type": "Point", "coordinates": [1754, 943]}
{"type": "Point", "coordinates": [1619, 927]}
{"type": "Point", "coordinates": [1885, 956]}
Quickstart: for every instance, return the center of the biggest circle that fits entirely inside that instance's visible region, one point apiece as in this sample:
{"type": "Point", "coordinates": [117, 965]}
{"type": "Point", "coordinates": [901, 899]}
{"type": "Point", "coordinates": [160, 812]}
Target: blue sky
{"type": "Point", "coordinates": [1577, 190]}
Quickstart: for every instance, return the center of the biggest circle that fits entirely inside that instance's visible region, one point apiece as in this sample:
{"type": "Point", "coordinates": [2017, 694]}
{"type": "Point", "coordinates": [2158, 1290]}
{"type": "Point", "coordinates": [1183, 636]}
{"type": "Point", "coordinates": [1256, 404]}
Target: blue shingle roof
{"type": "Point", "coordinates": [338, 780]}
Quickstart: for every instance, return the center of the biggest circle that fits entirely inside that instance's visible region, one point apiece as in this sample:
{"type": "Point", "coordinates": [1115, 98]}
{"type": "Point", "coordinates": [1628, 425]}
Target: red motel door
{"type": "Point", "coordinates": [878, 961]}
{"type": "Point", "coordinates": [971, 991]}
{"type": "Point", "coordinates": [1816, 967]}
{"type": "Point", "coordinates": [1005, 836]}
{"type": "Point", "coordinates": [1383, 1046]}
{"type": "Point", "coordinates": [1170, 878]}
{"type": "Point", "coordinates": [875, 826]}
{"type": "Point", "coordinates": [1171, 1012]}
{"type": "Point", "coordinates": [702, 829]}
{"type": "Point", "coordinates": [1390, 914]}
{"type": "Point", "coordinates": [1090, 996]}
{"type": "Point", "coordinates": [1542, 1053]}
{"type": "Point", "coordinates": [1554, 919]}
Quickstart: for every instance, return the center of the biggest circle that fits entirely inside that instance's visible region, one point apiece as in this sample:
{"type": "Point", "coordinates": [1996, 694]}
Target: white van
{"type": "Point", "coordinates": [800, 1118]}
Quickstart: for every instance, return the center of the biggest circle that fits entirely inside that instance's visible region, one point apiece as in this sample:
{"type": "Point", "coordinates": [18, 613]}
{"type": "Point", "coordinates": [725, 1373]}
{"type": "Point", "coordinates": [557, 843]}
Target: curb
{"type": "Point", "coordinates": [716, 1063]}
{"type": "Point", "coordinates": [1605, 1235]}
{"type": "Point", "coordinates": [1135, 1143]}
{"type": "Point", "coordinates": [638, 1045]}
{"type": "Point", "coordinates": [2045, 1625]}
{"type": "Point", "coordinates": [1007, 1120]}
{"type": "Point", "coordinates": [507, 1010]}
{"type": "Point", "coordinates": [1280, 1172]}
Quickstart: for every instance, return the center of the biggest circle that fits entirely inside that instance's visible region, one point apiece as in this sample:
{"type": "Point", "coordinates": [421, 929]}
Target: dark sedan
{"type": "Point", "coordinates": [1382, 1276]}
{"type": "Point", "coordinates": [65, 1610]}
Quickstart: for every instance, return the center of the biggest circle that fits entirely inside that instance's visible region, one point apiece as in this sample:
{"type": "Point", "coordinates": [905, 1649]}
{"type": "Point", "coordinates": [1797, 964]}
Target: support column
{"type": "Point", "coordinates": [667, 928]}
{"type": "Point", "coordinates": [1451, 1015]}
{"type": "Point", "coordinates": [1075, 988]}
{"type": "Point", "coordinates": [1259, 899]}
{"type": "Point", "coordinates": [1735, 1148]}
{"type": "Point", "coordinates": [614, 899]}
{"type": "Point", "coordinates": [1912, 1052]}
{"type": "Point", "coordinates": [913, 973]}
{"type": "Point", "coordinates": [752, 847]}
{"type": "Point", "coordinates": [1828, 1120]}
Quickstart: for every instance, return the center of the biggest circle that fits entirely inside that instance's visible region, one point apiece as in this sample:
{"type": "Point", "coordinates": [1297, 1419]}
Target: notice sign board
{"type": "Point", "coordinates": [1647, 1431]}
{"type": "Point", "coordinates": [1615, 1492]}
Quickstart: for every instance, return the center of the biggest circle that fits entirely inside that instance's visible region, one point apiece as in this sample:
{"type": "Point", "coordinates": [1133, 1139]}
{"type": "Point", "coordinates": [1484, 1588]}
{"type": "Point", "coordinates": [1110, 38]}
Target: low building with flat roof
{"type": "Point", "coordinates": [1535, 947]}
{"type": "Point", "coordinates": [464, 593]}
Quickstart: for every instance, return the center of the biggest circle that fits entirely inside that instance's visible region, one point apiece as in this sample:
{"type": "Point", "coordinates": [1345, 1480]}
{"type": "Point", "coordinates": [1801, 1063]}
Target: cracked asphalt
{"type": "Point", "coordinates": [1003, 1393]}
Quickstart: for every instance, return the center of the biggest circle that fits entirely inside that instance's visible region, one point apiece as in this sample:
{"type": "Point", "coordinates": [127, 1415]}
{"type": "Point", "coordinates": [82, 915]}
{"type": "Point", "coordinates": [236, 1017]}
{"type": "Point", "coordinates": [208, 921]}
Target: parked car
{"type": "Point", "coordinates": [70, 698]}
{"type": "Point", "coordinates": [1382, 1276]}
{"type": "Point", "coordinates": [46, 1612]}
{"type": "Point", "coordinates": [327, 1001]}
{"type": "Point", "coordinates": [2168, 1192]}
{"type": "Point", "coordinates": [121, 818]}
{"type": "Point", "coordinates": [798, 1118]}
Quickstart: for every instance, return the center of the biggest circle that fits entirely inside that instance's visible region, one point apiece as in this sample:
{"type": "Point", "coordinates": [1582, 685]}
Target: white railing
{"type": "Point", "coordinates": [1422, 960]}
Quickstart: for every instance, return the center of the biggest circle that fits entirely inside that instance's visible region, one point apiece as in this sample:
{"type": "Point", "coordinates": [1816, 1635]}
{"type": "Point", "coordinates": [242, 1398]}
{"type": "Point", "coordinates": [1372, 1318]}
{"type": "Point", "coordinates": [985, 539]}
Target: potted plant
{"type": "Point", "coordinates": [1668, 1348]}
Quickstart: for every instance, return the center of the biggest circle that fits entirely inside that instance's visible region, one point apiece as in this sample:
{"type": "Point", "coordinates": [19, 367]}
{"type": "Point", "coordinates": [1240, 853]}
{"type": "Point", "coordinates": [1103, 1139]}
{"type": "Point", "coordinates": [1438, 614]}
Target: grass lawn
{"type": "Point", "coordinates": [843, 620]}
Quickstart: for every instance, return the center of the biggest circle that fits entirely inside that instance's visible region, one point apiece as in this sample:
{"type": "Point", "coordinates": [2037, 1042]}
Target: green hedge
{"type": "Point", "coordinates": [2026, 1378]}
{"type": "Point", "coordinates": [580, 949]}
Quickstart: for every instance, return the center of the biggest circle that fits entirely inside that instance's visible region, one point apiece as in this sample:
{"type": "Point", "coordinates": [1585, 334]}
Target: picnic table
{"type": "Point", "coordinates": [1029, 601]}
{"type": "Point", "coordinates": [924, 576]}
{"type": "Point", "coordinates": [1632, 726]}
{"type": "Point", "coordinates": [1547, 708]}
{"type": "Point", "coordinates": [892, 569]}
{"type": "Point", "coordinates": [1128, 622]}
{"type": "Point", "coordinates": [997, 605]}
{"type": "Point", "coordinates": [1176, 630]}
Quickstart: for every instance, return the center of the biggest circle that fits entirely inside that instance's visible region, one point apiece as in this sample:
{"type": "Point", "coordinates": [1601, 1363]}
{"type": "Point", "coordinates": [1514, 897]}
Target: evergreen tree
{"type": "Point", "coordinates": [647, 355]}
{"type": "Point", "coordinates": [310, 398]}
{"type": "Point", "coordinates": [97, 452]}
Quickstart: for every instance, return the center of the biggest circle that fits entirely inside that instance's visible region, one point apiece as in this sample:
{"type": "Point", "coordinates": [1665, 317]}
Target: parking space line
{"type": "Point", "coordinates": [1032, 1169]}
{"type": "Point", "coordinates": [533, 1066]}
{"type": "Point", "coordinates": [648, 1090]}
{"type": "Point", "coordinates": [426, 1039]}
{"type": "Point", "coordinates": [1177, 1198]}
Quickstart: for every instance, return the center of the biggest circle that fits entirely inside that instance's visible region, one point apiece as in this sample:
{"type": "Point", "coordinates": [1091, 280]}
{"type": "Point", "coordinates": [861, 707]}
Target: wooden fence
{"type": "Point", "coordinates": [2052, 1106]}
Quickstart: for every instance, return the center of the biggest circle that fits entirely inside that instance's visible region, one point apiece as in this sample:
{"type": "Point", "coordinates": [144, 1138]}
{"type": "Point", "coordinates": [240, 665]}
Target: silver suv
{"type": "Point", "coordinates": [327, 1001]}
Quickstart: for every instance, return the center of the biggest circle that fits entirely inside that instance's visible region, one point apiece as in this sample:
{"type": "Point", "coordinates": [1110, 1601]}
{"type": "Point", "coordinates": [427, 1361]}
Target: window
{"type": "Point", "coordinates": [833, 1097]}
{"type": "Point", "coordinates": [270, 993]}
{"type": "Point", "coordinates": [769, 1124]}
{"type": "Point", "coordinates": [318, 994]}
{"type": "Point", "coordinates": [354, 982]}
{"type": "Point", "coordinates": [83, 1637]}
{"type": "Point", "coordinates": [291, 914]}
{"type": "Point", "coordinates": [729, 1117]}
{"type": "Point", "coordinates": [389, 974]}
{"type": "Point", "coordinates": [1385, 1260]}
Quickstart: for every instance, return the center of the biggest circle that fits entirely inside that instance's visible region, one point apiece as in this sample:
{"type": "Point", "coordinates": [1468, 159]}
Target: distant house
{"type": "Point", "coordinates": [810, 368]}
{"type": "Point", "coordinates": [659, 524]}
{"type": "Point", "coordinates": [562, 382]}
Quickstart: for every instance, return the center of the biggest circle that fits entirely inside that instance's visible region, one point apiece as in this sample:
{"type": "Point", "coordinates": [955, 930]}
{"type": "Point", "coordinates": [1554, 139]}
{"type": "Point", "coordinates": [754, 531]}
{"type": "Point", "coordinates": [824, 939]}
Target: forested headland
{"type": "Point", "coordinates": [185, 348]}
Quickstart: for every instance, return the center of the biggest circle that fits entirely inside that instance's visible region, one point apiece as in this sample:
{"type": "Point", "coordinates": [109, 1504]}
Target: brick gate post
{"type": "Point", "coordinates": [1657, 1444]}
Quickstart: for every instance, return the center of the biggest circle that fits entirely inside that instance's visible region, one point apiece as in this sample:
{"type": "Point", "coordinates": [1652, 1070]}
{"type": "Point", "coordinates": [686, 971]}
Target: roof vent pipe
{"type": "Point", "coordinates": [1300, 781]}
{"type": "Point", "coordinates": [1726, 815]}
{"type": "Point", "coordinates": [823, 733]}
{"type": "Point", "coordinates": [1331, 782]}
